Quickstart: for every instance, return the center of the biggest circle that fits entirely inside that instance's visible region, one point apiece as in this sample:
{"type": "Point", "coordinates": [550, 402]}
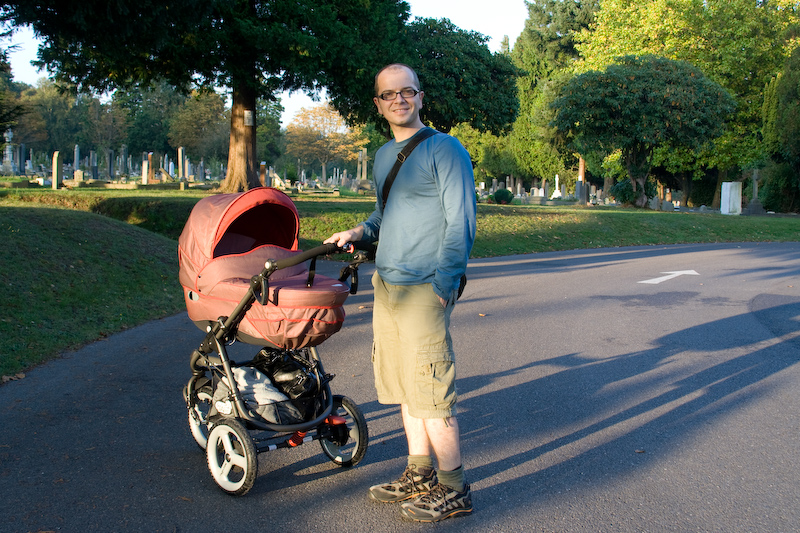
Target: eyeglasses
{"type": "Point", "coordinates": [406, 93]}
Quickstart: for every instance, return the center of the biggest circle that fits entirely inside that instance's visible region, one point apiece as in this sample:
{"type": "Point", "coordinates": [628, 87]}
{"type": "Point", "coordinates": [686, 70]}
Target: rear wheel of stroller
{"type": "Point", "coordinates": [232, 458]}
{"type": "Point", "coordinates": [198, 415]}
{"type": "Point", "coordinates": [346, 448]}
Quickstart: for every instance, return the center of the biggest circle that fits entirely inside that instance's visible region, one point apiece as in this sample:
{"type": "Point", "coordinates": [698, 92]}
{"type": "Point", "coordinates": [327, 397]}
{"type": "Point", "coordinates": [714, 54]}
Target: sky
{"type": "Point", "coordinates": [494, 19]}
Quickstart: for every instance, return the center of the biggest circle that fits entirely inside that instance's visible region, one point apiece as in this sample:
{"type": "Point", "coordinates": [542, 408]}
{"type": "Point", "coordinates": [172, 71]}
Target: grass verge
{"type": "Point", "coordinates": [71, 277]}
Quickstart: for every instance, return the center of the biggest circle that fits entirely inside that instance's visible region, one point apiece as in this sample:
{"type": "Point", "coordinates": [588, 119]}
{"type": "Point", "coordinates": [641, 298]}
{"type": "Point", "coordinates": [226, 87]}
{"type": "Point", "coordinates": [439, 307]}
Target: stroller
{"type": "Point", "coordinates": [244, 279]}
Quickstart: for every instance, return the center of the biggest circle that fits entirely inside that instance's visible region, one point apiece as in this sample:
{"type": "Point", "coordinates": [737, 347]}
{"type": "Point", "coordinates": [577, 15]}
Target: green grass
{"type": "Point", "coordinates": [70, 277]}
{"type": "Point", "coordinates": [79, 265]}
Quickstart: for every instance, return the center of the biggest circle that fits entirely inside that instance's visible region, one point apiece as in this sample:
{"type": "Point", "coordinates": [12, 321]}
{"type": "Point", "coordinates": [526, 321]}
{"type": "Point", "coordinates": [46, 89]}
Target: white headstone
{"type": "Point", "coordinates": [731, 199]}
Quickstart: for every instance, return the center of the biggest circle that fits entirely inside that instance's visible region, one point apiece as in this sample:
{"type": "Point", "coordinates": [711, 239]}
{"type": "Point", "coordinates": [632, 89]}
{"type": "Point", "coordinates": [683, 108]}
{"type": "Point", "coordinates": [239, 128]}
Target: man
{"type": "Point", "coordinates": [427, 229]}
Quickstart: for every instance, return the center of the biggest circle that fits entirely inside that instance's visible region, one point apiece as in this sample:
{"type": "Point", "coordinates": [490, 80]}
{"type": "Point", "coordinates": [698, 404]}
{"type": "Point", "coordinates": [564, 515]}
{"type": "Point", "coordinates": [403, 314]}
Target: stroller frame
{"type": "Point", "coordinates": [230, 447]}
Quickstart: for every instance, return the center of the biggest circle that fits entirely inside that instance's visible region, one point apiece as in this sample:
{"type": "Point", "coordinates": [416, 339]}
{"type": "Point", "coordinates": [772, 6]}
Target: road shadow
{"type": "Point", "coordinates": [588, 421]}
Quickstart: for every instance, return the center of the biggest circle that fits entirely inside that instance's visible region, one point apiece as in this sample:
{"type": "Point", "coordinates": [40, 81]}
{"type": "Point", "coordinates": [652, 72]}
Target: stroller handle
{"type": "Point", "coordinates": [324, 249]}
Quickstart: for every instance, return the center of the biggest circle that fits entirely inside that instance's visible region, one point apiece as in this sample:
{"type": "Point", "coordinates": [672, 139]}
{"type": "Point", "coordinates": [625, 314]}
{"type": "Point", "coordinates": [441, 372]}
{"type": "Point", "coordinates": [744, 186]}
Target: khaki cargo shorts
{"type": "Point", "coordinates": [412, 354]}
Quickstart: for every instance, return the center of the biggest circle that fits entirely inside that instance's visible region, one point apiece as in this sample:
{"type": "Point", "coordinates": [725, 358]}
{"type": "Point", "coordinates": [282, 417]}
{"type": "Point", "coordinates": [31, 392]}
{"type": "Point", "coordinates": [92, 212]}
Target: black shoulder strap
{"type": "Point", "coordinates": [418, 137]}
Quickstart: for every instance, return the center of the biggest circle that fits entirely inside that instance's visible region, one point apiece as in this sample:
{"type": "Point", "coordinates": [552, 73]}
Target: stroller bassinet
{"type": "Point", "coordinates": [226, 240]}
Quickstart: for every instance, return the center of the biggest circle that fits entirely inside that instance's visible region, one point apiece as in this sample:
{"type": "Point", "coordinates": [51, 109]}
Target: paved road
{"type": "Point", "coordinates": [590, 401]}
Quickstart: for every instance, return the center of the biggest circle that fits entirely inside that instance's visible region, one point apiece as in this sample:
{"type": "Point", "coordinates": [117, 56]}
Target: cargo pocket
{"type": "Point", "coordinates": [435, 378]}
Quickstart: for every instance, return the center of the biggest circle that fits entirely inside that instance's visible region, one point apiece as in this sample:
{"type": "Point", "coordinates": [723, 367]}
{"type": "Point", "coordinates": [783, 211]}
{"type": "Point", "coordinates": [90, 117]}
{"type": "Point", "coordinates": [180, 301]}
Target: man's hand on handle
{"type": "Point", "coordinates": [344, 237]}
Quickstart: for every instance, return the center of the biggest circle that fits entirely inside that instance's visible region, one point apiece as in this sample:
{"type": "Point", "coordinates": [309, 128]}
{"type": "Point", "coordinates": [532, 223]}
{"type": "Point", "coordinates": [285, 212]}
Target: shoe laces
{"type": "Point", "coordinates": [438, 493]}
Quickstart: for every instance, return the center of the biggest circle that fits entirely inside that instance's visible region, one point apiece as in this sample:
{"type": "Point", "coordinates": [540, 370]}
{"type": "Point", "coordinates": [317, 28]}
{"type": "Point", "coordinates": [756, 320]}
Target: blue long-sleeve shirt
{"type": "Point", "coordinates": [428, 227]}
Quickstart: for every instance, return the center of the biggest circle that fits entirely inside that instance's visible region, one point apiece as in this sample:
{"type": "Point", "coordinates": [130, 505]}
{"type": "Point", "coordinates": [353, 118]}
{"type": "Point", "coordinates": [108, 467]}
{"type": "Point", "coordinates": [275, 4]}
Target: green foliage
{"type": "Point", "coordinates": [10, 110]}
{"type": "Point", "coordinates": [268, 131]}
{"type": "Point", "coordinates": [781, 185]}
{"type": "Point", "coordinates": [779, 189]}
{"type": "Point", "coordinates": [463, 81]}
{"type": "Point", "coordinates": [503, 196]}
{"type": "Point", "coordinates": [255, 49]}
{"type": "Point", "coordinates": [781, 114]}
{"type": "Point", "coordinates": [739, 44]}
{"type": "Point", "coordinates": [490, 154]}
{"type": "Point", "coordinates": [547, 43]}
{"type": "Point", "coordinates": [545, 51]}
{"type": "Point", "coordinates": [150, 110]}
{"type": "Point", "coordinates": [638, 104]}
{"type": "Point", "coordinates": [623, 192]}
{"type": "Point", "coordinates": [201, 125]}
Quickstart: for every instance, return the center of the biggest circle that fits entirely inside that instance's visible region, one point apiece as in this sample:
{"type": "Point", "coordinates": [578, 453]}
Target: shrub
{"type": "Point", "coordinates": [503, 196]}
{"type": "Point", "coordinates": [622, 191]}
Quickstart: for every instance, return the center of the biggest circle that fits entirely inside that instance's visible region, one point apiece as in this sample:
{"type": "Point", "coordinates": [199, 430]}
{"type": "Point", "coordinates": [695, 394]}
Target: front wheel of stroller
{"type": "Point", "coordinates": [232, 458]}
{"type": "Point", "coordinates": [198, 415]}
{"type": "Point", "coordinates": [347, 437]}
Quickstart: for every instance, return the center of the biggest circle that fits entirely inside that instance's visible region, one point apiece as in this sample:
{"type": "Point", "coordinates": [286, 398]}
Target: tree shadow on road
{"type": "Point", "coordinates": [586, 420]}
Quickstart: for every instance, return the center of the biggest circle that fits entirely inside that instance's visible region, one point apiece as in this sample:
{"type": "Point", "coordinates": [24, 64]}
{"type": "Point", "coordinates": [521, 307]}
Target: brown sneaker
{"type": "Point", "coordinates": [411, 484]}
{"type": "Point", "coordinates": [440, 503]}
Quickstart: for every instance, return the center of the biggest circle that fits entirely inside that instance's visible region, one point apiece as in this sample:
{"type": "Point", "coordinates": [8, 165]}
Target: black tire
{"type": "Point", "coordinates": [232, 457]}
{"type": "Point", "coordinates": [351, 452]}
{"type": "Point", "coordinates": [198, 415]}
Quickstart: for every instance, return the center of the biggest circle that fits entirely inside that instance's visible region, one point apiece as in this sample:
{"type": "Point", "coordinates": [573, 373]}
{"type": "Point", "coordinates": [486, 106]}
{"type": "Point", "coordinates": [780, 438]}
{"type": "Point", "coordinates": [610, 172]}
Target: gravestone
{"type": "Point", "coordinates": [76, 161]}
{"type": "Point", "coordinates": [93, 165]}
{"type": "Point", "coordinates": [8, 154]}
{"type": "Point", "coordinates": [181, 155]}
{"type": "Point", "coordinates": [557, 190]}
{"type": "Point", "coordinates": [731, 199]}
{"type": "Point", "coordinates": [124, 160]}
{"type": "Point", "coordinates": [56, 170]}
{"type": "Point", "coordinates": [755, 207]}
{"type": "Point", "coordinates": [151, 169]}
{"type": "Point", "coordinates": [110, 164]}
{"type": "Point", "coordinates": [145, 170]}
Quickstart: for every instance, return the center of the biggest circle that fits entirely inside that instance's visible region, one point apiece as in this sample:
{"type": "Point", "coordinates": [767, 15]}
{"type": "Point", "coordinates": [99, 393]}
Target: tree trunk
{"type": "Point", "coordinates": [637, 163]}
{"type": "Point", "coordinates": [722, 175]}
{"type": "Point", "coordinates": [686, 186]}
{"type": "Point", "coordinates": [242, 172]}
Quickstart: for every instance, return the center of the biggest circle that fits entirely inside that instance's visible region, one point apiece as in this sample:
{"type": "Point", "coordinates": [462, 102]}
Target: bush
{"type": "Point", "coordinates": [503, 196]}
{"type": "Point", "coordinates": [622, 191]}
{"type": "Point", "coordinates": [778, 191]}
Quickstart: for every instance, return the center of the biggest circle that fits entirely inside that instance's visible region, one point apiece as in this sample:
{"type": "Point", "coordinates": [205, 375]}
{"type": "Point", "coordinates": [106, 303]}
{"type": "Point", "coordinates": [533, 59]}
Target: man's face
{"type": "Point", "coordinates": [402, 112]}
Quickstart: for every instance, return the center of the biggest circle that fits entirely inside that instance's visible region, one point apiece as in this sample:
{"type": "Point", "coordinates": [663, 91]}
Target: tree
{"type": "Point", "coordinates": [781, 133]}
{"type": "Point", "coordinates": [638, 104]}
{"type": "Point", "coordinates": [252, 47]}
{"type": "Point", "coordinates": [53, 121]}
{"type": "Point", "coordinates": [10, 110]}
{"type": "Point", "coordinates": [201, 126]}
{"type": "Point", "coordinates": [739, 44]}
{"type": "Point", "coordinates": [490, 154]}
{"type": "Point", "coordinates": [320, 134]}
{"type": "Point", "coordinates": [463, 81]}
{"type": "Point", "coordinates": [545, 51]}
{"type": "Point", "coordinates": [149, 110]}
{"type": "Point", "coordinates": [268, 133]}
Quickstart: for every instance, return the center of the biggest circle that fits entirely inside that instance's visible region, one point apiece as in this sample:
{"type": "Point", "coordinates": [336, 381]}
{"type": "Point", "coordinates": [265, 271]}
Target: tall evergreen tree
{"type": "Point", "coordinates": [546, 51]}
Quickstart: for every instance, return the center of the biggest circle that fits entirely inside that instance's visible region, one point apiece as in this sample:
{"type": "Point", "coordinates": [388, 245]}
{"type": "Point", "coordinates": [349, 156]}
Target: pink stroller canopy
{"type": "Point", "coordinates": [226, 224]}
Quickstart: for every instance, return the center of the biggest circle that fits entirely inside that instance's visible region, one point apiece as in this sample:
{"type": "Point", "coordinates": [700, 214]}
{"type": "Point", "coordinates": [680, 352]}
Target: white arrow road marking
{"type": "Point", "coordinates": [670, 275]}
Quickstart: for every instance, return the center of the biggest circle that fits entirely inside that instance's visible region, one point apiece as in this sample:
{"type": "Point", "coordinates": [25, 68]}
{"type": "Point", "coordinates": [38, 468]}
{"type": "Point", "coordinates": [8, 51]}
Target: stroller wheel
{"type": "Point", "coordinates": [346, 445]}
{"type": "Point", "coordinates": [198, 415]}
{"type": "Point", "coordinates": [232, 458]}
